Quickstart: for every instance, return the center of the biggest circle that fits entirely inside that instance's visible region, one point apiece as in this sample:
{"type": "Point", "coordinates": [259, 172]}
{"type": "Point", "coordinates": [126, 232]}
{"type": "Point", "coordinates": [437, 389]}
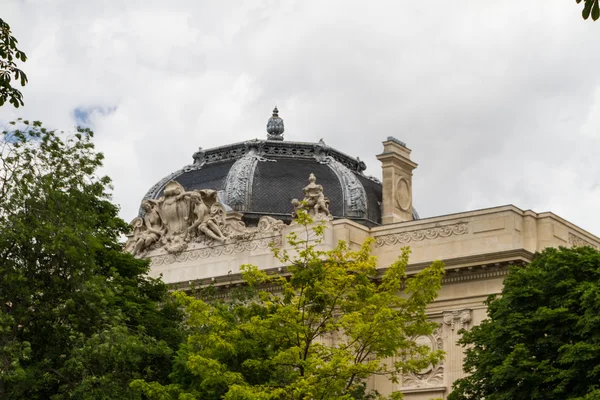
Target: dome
{"type": "Point", "coordinates": [262, 177]}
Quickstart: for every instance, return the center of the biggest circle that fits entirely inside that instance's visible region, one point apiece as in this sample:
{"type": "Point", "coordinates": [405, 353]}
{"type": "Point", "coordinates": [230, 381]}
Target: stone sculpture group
{"type": "Point", "coordinates": [314, 203]}
{"type": "Point", "coordinates": [180, 217]}
{"type": "Point", "coordinates": [177, 218]}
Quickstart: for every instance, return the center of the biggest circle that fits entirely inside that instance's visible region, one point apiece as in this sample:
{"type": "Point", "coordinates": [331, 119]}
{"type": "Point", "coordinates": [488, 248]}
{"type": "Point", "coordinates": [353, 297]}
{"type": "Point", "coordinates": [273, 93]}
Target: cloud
{"type": "Point", "coordinates": [497, 101]}
{"type": "Point", "coordinates": [83, 115]}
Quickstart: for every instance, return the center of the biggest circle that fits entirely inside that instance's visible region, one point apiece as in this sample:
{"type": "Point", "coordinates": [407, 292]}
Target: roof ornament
{"type": "Point", "coordinates": [275, 126]}
{"type": "Point", "coordinates": [314, 203]}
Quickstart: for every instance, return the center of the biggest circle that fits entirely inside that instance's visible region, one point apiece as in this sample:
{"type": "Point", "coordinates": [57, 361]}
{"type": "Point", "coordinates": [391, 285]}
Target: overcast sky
{"type": "Point", "coordinates": [499, 101]}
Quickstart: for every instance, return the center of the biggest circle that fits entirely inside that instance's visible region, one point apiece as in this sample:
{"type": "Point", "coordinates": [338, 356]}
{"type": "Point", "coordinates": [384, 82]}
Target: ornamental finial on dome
{"type": "Point", "coordinates": [275, 126]}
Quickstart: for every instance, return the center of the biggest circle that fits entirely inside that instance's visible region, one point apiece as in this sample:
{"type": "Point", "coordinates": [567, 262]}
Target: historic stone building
{"type": "Point", "coordinates": [199, 224]}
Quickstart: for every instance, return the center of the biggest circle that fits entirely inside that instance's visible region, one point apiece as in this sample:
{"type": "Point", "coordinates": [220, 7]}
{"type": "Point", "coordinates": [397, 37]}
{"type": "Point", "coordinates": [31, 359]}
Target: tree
{"type": "Point", "coordinates": [590, 7]}
{"type": "Point", "coordinates": [79, 319]}
{"type": "Point", "coordinates": [317, 332]}
{"type": "Point", "coordinates": [8, 68]}
{"type": "Point", "coordinates": [542, 336]}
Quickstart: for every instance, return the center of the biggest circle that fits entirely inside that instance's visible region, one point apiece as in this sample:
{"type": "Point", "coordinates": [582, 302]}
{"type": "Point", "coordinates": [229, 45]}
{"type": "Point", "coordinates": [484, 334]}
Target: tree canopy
{"type": "Point", "coordinates": [317, 331]}
{"type": "Point", "coordinates": [542, 336]}
{"type": "Point", "coordinates": [79, 319]}
{"type": "Point", "coordinates": [9, 52]}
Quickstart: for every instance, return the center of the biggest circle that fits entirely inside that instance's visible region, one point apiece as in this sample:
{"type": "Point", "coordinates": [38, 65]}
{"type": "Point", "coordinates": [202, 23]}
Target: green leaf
{"type": "Point", "coordinates": [595, 11]}
{"type": "Point", "coordinates": [587, 8]}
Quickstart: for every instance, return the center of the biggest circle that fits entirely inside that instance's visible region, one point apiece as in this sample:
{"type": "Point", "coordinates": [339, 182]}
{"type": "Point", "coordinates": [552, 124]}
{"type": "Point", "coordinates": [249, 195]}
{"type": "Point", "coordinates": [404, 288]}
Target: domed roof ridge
{"type": "Point", "coordinates": [260, 177]}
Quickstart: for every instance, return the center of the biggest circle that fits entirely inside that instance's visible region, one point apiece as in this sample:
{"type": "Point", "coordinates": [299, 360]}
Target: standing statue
{"type": "Point", "coordinates": [209, 215]}
{"type": "Point", "coordinates": [314, 202]}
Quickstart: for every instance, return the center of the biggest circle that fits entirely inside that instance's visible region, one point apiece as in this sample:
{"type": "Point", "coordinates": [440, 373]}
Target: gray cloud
{"type": "Point", "coordinates": [499, 102]}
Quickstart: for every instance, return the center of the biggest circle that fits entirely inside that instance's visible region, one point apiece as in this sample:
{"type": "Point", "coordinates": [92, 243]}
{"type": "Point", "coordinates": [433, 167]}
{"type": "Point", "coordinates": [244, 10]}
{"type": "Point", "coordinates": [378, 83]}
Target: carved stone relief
{"type": "Point", "coordinates": [461, 228]}
{"type": "Point", "coordinates": [457, 319]}
{"type": "Point", "coordinates": [181, 217]}
{"type": "Point", "coordinates": [355, 196]}
{"type": "Point", "coordinates": [212, 250]}
{"type": "Point", "coordinates": [576, 241]}
{"type": "Point", "coordinates": [314, 202]}
{"type": "Point", "coordinates": [432, 375]}
{"type": "Point", "coordinates": [238, 185]}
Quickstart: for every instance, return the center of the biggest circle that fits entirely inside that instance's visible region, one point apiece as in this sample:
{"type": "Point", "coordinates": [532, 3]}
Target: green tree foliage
{"type": "Point", "coordinates": [542, 336]}
{"type": "Point", "coordinates": [79, 319]}
{"type": "Point", "coordinates": [317, 332]}
{"type": "Point", "coordinates": [590, 7]}
{"type": "Point", "coordinates": [8, 68]}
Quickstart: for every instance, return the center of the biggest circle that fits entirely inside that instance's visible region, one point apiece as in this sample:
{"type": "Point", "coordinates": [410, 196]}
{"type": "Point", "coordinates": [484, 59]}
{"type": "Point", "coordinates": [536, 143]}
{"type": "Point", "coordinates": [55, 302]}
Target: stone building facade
{"type": "Point", "coordinates": [198, 225]}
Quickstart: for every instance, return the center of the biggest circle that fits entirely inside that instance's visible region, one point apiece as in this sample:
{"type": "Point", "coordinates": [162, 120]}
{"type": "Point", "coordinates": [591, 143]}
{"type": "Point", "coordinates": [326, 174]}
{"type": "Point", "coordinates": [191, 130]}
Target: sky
{"type": "Point", "coordinates": [499, 101]}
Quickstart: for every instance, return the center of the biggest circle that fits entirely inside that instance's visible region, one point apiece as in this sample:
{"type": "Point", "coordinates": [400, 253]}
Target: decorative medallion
{"type": "Point", "coordinates": [403, 197]}
{"type": "Point", "coordinates": [432, 375]}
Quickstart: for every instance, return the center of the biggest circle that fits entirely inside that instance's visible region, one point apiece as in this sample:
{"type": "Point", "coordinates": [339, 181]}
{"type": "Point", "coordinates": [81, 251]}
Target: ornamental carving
{"type": "Point", "coordinates": [314, 203]}
{"type": "Point", "coordinates": [179, 217]}
{"type": "Point", "coordinates": [238, 185]}
{"type": "Point", "coordinates": [354, 193]}
{"type": "Point", "coordinates": [207, 251]}
{"type": "Point", "coordinates": [461, 228]}
{"type": "Point", "coordinates": [576, 241]}
{"type": "Point", "coordinates": [457, 319]}
{"type": "Point", "coordinates": [432, 375]}
{"type": "Point", "coordinates": [275, 126]}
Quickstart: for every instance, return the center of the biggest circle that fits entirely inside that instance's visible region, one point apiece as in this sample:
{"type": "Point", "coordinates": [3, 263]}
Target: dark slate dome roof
{"type": "Point", "coordinates": [261, 177]}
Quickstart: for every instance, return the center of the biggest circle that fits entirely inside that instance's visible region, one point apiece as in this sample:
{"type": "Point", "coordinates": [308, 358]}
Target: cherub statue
{"type": "Point", "coordinates": [297, 204]}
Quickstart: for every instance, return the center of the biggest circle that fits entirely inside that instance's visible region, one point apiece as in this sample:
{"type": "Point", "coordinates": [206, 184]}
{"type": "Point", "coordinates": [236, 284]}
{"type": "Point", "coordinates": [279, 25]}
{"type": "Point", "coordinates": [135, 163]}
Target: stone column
{"type": "Point", "coordinates": [397, 170]}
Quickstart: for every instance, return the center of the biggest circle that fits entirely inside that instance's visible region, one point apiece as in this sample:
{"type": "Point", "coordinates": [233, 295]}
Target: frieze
{"type": "Point", "coordinates": [461, 228]}
{"type": "Point", "coordinates": [218, 250]}
{"type": "Point", "coordinates": [576, 241]}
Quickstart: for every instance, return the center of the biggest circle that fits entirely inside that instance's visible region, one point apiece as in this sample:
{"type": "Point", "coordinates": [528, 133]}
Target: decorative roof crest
{"type": "Point", "coordinates": [275, 126]}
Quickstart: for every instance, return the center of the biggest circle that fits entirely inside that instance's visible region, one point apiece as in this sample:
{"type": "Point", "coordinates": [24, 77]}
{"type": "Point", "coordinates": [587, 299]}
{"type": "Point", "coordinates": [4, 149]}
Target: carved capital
{"type": "Point", "coordinates": [457, 319]}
